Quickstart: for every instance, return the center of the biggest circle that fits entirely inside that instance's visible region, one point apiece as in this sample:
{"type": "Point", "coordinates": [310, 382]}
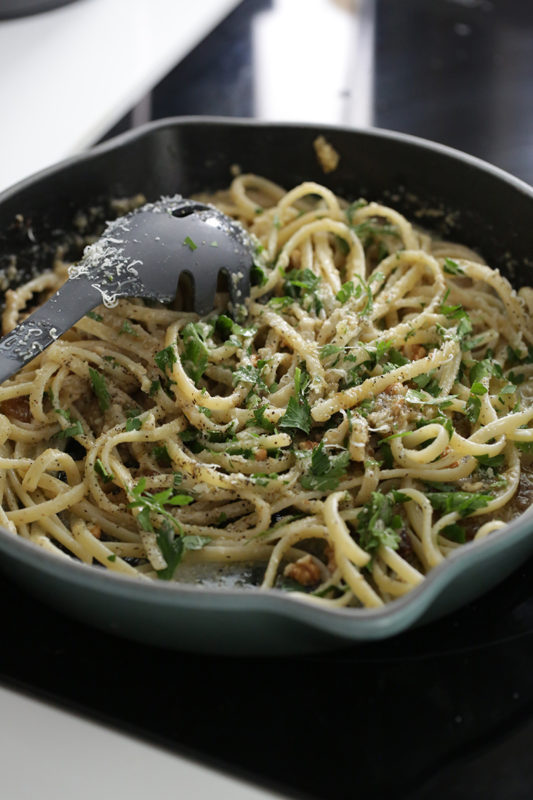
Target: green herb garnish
{"type": "Point", "coordinates": [473, 408]}
{"type": "Point", "coordinates": [162, 456]}
{"type": "Point", "coordinates": [378, 522]}
{"type": "Point", "coordinates": [165, 359]}
{"type": "Point", "coordinates": [427, 382]}
{"type": "Point", "coordinates": [250, 374]}
{"type": "Point", "coordinates": [324, 472]}
{"type": "Point", "coordinates": [301, 285]}
{"type": "Point", "coordinates": [462, 503]}
{"type": "Point", "coordinates": [195, 355]}
{"type": "Point", "coordinates": [100, 389]}
{"type": "Point", "coordinates": [345, 292]}
{"type": "Point", "coordinates": [350, 289]}
{"type": "Point", "coordinates": [155, 504]}
{"type": "Point", "coordinates": [73, 430]}
{"type": "Point", "coordinates": [258, 276]}
{"type": "Point", "coordinates": [134, 423]}
{"type": "Point", "coordinates": [298, 413]}
{"type": "Point", "coordinates": [173, 547]}
{"type": "Point", "coordinates": [452, 267]}
{"type": "Point", "coordinates": [102, 472]}
{"type": "Point", "coordinates": [262, 420]}
{"type": "Point", "coordinates": [414, 396]}
{"type": "Point", "coordinates": [330, 350]}
{"type": "Point", "coordinates": [454, 532]}
{"type": "Point", "coordinates": [491, 462]}
{"type": "Point", "coordinates": [127, 328]}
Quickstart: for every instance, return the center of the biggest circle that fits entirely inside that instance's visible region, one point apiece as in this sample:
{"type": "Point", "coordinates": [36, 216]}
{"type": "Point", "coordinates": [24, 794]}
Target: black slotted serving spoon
{"type": "Point", "coordinates": [141, 254]}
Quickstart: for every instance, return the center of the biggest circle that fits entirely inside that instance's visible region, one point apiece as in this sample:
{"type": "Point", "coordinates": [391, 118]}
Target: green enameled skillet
{"type": "Point", "coordinates": [453, 194]}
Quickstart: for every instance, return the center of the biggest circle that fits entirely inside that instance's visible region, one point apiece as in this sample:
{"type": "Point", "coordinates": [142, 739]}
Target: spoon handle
{"type": "Point", "coordinates": [68, 305]}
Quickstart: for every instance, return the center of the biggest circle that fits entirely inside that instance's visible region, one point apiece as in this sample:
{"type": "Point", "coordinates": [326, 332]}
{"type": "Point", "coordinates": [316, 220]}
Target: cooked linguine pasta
{"type": "Point", "coordinates": [368, 414]}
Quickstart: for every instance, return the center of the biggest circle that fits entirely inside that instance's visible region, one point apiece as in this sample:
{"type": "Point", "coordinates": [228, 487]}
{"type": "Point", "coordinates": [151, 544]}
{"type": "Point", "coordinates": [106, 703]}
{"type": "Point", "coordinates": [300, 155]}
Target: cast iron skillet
{"type": "Point", "coordinates": [452, 193]}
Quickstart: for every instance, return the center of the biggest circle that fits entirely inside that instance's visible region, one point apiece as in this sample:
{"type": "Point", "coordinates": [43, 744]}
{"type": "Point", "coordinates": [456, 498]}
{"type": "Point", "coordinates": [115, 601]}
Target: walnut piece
{"type": "Point", "coordinates": [305, 571]}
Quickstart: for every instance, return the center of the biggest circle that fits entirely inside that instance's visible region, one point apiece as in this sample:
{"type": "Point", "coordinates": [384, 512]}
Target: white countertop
{"type": "Point", "coordinates": [51, 755]}
{"type": "Point", "coordinates": [68, 75]}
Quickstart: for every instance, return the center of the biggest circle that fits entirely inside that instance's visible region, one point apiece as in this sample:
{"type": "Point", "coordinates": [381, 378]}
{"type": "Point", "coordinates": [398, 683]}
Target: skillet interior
{"type": "Point", "coordinates": [452, 194]}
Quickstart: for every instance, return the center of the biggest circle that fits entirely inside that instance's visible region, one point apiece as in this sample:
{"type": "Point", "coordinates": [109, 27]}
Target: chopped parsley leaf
{"type": "Point", "coordinates": [473, 408]}
{"type": "Point", "coordinates": [485, 369]}
{"type": "Point", "coordinates": [155, 504]}
{"type": "Point", "coordinates": [301, 285]}
{"type": "Point", "coordinates": [73, 430]}
{"type": "Point", "coordinates": [427, 382]}
{"type": "Point", "coordinates": [477, 388]}
{"type": "Point", "coordinates": [298, 413]}
{"type": "Point", "coordinates": [173, 547]}
{"type": "Point", "coordinates": [462, 503]}
{"type": "Point", "coordinates": [248, 373]}
{"type": "Point", "coordinates": [162, 456]}
{"type": "Point", "coordinates": [414, 396]}
{"type": "Point", "coordinates": [378, 523]}
{"type": "Point", "coordinates": [228, 330]}
{"type": "Point", "coordinates": [165, 359]}
{"type": "Point", "coordinates": [452, 267]}
{"type": "Point", "coordinates": [195, 355]}
{"type": "Point", "coordinates": [454, 532]}
{"type": "Point", "coordinates": [258, 276]}
{"type": "Point", "coordinates": [134, 424]}
{"type": "Point", "coordinates": [127, 328]}
{"type": "Point", "coordinates": [102, 472]}
{"type": "Point", "coordinates": [262, 420]}
{"type": "Point", "coordinates": [368, 230]}
{"type": "Point", "coordinates": [330, 350]}
{"type": "Point", "coordinates": [491, 462]}
{"type": "Point", "coordinates": [345, 292]}
{"type": "Point", "coordinates": [349, 289]}
{"type": "Point", "coordinates": [100, 389]}
{"type": "Point", "coordinates": [324, 472]}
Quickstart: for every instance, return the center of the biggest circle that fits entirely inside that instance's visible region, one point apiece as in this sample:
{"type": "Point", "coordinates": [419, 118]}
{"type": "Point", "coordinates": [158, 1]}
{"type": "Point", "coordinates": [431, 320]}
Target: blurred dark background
{"type": "Point", "coordinates": [459, 72]}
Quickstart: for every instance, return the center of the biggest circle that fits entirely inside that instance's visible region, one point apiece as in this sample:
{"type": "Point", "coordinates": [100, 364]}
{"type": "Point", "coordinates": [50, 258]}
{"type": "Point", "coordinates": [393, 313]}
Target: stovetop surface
{"type": "Point", "coordinates": [444, 711]}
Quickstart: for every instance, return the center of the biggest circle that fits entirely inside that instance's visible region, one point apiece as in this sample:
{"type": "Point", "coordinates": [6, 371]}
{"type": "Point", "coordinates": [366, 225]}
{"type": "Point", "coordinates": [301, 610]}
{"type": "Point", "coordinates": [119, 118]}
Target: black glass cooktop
{"type": "Point", "coordinates": [445, 711]}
